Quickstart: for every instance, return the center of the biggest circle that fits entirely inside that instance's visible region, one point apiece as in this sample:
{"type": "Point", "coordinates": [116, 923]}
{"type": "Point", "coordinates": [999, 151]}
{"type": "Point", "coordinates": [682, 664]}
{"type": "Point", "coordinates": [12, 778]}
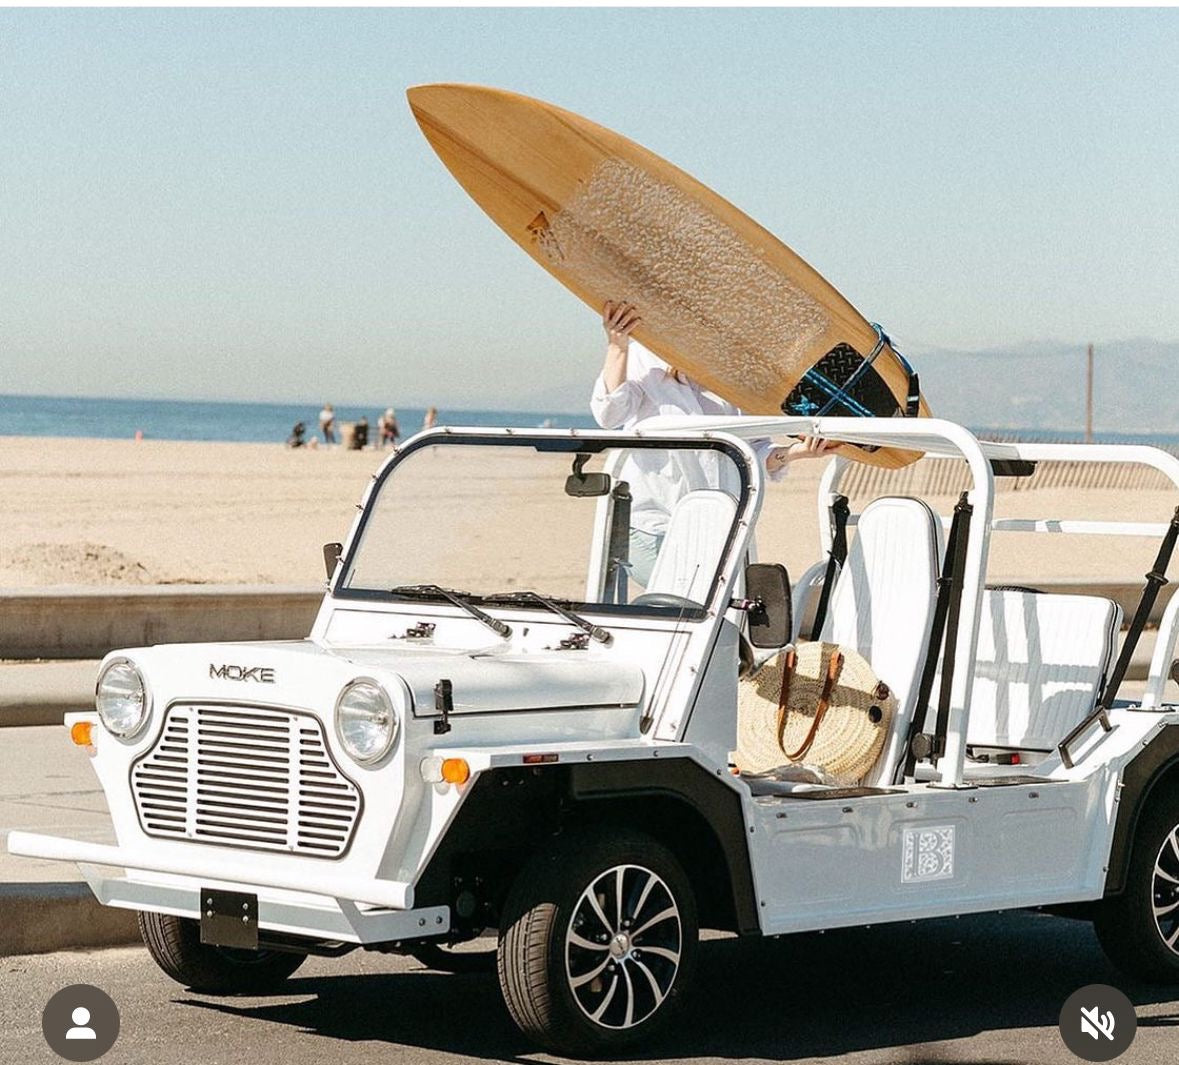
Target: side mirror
{"type": "Point", "coordinates": [1175, 671]}
{"type": "Point", "coordinates": [331, 557]}
{"type": "Point", "coordinates": [771, 621]}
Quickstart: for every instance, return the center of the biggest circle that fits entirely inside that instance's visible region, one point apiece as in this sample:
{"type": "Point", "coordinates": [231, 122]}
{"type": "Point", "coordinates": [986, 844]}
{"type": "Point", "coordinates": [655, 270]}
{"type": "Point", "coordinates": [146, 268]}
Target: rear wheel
{"type": "Point", "coordinates": [1139, 929]}
{"type": "Point", "coordinates": [175, 945]}
{"type": "Point", "coordinates": [598, 943]}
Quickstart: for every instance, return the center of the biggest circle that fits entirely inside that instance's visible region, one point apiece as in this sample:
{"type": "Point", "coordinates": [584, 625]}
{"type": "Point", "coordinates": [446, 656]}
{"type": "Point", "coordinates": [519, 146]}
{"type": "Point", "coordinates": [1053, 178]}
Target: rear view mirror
{"type": "Point", "coordinates": [587, 484]}
{"type": "Point", "coordinates": [771, 620]}
{"type": "Point", "coordinates": [331, 557]}
{"type": "Point", "coordinates": [579, 483]}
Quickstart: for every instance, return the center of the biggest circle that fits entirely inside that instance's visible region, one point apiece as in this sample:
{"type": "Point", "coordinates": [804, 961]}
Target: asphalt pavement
{"type": "Point", "coordinates": [986, 990]}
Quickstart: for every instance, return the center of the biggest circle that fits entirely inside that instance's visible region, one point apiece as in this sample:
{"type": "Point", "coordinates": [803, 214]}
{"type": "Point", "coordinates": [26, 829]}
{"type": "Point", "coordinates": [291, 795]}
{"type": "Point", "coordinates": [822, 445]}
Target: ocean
{"type": "Point", "coordinates": [175, 419]}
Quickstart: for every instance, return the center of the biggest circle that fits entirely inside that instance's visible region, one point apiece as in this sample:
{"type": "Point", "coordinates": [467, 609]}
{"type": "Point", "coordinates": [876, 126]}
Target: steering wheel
{"type": "Point", "coordinates": [679, 602]}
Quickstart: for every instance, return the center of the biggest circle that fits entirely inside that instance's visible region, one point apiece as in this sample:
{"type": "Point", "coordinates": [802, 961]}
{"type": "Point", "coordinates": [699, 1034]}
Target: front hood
{"type": "Point", "coordinates": [484, 681]}
{"type": "Point", "coordinates": [481, 681]}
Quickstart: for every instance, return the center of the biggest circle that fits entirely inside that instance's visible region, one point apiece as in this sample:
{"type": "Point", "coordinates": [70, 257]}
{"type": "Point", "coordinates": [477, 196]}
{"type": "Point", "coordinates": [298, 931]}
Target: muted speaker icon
{"type": "Point", "coordinates": [1095, 1024]}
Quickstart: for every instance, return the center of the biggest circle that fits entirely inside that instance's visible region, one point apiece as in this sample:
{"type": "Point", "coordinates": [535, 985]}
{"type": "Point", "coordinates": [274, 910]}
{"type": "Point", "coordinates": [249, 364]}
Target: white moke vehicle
{"type": "Point", "coordinates": [488, 730]}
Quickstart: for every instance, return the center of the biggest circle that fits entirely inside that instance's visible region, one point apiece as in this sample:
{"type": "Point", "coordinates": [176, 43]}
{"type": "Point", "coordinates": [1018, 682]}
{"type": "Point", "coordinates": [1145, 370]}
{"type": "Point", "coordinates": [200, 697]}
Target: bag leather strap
{"type": "Point", "coordinates": [834, 665]}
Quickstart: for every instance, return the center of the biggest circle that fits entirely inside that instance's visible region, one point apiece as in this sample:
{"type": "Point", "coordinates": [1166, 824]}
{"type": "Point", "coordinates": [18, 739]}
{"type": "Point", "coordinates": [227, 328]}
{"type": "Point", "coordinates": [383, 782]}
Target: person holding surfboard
{"type": "Point", "coordinates": [635, 384]}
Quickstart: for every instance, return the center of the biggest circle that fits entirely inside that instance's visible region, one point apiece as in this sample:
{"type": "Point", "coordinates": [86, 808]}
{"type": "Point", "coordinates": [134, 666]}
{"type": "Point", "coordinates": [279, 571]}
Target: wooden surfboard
{"type": "Point", "coordinates": [720, 297]}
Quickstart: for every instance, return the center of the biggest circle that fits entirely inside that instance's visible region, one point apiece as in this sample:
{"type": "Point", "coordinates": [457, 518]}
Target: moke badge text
{"type": "Point", "coordinates": [262, 674]}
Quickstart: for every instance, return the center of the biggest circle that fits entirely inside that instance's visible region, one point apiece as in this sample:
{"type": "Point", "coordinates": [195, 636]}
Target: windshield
{"type": "Point", "coordinates": [604, 526]}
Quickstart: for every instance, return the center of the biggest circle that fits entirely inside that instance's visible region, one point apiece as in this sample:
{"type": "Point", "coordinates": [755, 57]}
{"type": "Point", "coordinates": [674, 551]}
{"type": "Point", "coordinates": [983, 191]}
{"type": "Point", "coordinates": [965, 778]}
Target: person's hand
{"type": "Point", "coordinates": [619, 320]}
{"type": "Point", "coordinates": [807, 447]}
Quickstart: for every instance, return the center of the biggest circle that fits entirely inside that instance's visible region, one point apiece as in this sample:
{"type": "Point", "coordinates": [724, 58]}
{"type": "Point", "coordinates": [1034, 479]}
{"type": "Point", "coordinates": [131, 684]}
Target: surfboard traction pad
{"type": "Point", "coordinates": [838, 366]}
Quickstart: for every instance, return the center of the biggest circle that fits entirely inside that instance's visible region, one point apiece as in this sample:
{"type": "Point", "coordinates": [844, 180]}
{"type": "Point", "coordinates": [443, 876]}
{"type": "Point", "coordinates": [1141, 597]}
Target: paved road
{"type": "Point", "coordinates": [986, 990]}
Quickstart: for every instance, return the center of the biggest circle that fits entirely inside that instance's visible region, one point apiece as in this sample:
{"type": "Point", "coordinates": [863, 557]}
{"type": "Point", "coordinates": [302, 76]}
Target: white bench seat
{"type": "Point", "coordinates": [1042, 663]}
{"type": "Point", "coordinates": [883, 602]}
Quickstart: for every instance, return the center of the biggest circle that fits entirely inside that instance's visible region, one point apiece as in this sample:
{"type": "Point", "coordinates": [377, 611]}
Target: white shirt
{"type": "Point", "coordinates": [658, 478]}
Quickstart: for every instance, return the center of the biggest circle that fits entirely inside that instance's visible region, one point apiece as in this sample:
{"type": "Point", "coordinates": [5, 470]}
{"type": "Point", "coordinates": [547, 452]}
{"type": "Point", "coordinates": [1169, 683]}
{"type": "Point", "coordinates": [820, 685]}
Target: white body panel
{"type": "Point", "coordinates": [825, 864]}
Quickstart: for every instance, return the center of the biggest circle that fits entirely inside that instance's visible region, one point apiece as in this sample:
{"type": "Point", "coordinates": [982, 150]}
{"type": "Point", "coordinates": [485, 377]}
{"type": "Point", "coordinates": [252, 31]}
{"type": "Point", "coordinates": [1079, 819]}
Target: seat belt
{"type": "Point", "coordinates": [618, 545]}
{"type": "Point", "coordinates": [949, 600]}
{"type": "Point", "coordinates": [836, 557]}
{"type": "Point", "coordinates": [963, 510]}
{"type": "Point", "coordinates": [1155, 580]}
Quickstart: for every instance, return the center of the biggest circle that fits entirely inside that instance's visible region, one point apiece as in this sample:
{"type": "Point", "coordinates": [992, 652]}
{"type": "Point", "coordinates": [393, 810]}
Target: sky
{"type": "Point", "coordinates": [237, 204]}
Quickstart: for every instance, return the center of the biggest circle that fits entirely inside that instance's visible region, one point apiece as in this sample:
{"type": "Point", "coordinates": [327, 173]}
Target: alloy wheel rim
{"type": "Point", "coordinates": [1165, 891]}
{"type": "Point", "coordinates": [623, 946]}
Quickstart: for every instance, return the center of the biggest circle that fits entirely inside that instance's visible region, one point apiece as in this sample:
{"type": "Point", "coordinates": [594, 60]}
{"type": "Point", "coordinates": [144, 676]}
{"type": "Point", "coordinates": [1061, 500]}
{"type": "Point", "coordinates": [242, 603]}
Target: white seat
{"type": "Point", "coordinates": [1042, 663]}
{"type": "Point", "coordinates": [697, 531]}
{"type": "Point", "coordinates": [883, 604]}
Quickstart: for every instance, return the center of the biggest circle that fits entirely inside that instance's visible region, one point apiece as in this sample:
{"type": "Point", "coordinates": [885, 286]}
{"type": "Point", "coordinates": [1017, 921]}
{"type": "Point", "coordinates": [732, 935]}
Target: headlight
{"type": "Point", "coordinates": [366, 722]}
{"type": "Point", "coordinates": [121, 698]}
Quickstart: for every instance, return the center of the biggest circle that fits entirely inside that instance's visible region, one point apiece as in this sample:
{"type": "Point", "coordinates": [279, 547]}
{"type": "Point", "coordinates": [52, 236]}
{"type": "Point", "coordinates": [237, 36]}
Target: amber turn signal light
{"type": "Point", "coordinates": [81, 733]}
{"type": "Point", "coordinates": [456, 771]}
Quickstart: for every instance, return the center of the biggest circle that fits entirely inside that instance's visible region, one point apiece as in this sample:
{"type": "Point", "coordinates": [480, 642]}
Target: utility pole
{"type": "Point", "coordinates": [1089, 401]}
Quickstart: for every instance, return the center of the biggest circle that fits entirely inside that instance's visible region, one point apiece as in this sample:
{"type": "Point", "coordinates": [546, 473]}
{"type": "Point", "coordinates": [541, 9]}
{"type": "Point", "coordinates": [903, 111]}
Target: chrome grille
{"type": "Point", "coordinates": [246, 776]}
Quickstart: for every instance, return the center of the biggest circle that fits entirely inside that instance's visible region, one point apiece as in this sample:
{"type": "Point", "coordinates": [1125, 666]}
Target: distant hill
{"type": "Point", "coordinates": [1041, 385]}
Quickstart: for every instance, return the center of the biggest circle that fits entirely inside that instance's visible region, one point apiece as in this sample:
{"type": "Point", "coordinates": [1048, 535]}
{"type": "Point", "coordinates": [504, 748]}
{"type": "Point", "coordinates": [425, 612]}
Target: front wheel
{"type": "Point", "coordinates": [175, 945]}
{"type": "Point", "coordinates": [597, 943]}
{"type": "Point", "coordinates": [1139, 929]}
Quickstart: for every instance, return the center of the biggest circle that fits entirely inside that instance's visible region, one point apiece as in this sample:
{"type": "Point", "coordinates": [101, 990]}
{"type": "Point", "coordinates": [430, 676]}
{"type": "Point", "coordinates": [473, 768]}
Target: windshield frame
{"type": "Point", "coordinates": [570, 442]}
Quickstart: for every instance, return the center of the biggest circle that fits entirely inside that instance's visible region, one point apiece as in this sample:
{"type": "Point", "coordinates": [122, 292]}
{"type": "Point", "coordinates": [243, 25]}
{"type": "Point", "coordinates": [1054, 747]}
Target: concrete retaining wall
{"type": "Point", "coordinates": [77, 622]}
{"type": "Point", "coordinates": [41, 918]}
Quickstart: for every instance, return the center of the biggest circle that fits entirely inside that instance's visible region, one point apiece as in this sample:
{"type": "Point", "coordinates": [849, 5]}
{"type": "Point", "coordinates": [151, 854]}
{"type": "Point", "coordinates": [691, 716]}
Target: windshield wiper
{"type": "Point", "coordinates": [435, 591]}
{"type": "Point", "coordinates": [596, 631]}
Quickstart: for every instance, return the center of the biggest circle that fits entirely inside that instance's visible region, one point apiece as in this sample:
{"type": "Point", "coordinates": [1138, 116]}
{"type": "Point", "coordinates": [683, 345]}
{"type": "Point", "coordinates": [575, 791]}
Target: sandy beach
{"type": "Point", "coordinates": [102, 512]}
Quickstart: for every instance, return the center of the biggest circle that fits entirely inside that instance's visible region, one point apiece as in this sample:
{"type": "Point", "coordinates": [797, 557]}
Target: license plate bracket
{"type": "Point", "coordinates": [229, 919]}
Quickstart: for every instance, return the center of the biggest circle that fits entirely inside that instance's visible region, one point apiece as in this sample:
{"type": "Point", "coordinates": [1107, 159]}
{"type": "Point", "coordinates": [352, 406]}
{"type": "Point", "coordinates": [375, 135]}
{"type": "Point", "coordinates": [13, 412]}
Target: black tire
{"type": "Point", "coordinates": [560, 963]}
{"type": "Point", "coordinates": [175, 945]}
{"type": "Point", "coordinates": [454, 957]}
{"type": "Point", "coordinates": [1139, 929]}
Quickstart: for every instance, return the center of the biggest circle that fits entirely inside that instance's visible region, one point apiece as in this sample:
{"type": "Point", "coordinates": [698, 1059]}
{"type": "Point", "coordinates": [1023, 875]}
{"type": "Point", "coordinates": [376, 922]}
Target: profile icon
{"type": "Point", "coordinates": [80, 1023]}
{"type": "Point", "coordinates": [81, 1028]}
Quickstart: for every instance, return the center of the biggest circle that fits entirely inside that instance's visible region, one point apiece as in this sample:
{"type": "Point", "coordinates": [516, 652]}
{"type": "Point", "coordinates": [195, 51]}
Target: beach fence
{"type": "Point", "coordinates": [950, 477]}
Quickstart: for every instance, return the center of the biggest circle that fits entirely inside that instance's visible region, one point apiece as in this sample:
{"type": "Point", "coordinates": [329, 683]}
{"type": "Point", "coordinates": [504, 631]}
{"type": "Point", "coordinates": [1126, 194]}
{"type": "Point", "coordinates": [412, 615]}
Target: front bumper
{"type": "Point", "coordinates": [325, 906]}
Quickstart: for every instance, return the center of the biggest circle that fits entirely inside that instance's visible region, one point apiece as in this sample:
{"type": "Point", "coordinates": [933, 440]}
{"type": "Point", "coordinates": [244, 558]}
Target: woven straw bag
{"type": "Point", "coordinates": [818, 704]}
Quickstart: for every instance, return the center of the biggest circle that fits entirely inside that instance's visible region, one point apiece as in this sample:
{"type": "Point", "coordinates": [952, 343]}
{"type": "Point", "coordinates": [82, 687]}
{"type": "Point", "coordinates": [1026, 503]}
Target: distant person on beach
{"type": "Point", "coordinates": [297, 434]}
{"type": "Point", "coordinates": [431, 418]}
{"type": "Point", "coordinates": [360, 434]}
{"type": "Point", "coordinates": [388, 431]}
{"type": "Point", "coordinates": [635, 384]}
{"type": "Point", "coordinates": [327, 424]}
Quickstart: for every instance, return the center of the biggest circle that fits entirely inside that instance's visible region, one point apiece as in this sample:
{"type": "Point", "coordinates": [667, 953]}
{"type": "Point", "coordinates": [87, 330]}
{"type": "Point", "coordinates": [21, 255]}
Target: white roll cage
{"type": "Point", "coordinates": [938, 438]}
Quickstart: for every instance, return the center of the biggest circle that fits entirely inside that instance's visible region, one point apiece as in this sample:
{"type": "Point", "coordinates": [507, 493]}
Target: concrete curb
{"type": "Point", "coordinates": [42, 918]}
{"type": "Point", "coordinates": [81, 622]}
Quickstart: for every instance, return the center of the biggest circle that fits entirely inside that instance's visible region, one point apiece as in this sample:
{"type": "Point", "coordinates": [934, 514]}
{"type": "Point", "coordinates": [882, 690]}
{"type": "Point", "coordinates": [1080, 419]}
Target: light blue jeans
{"type": "Point", "coordinates": [644, 549]}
